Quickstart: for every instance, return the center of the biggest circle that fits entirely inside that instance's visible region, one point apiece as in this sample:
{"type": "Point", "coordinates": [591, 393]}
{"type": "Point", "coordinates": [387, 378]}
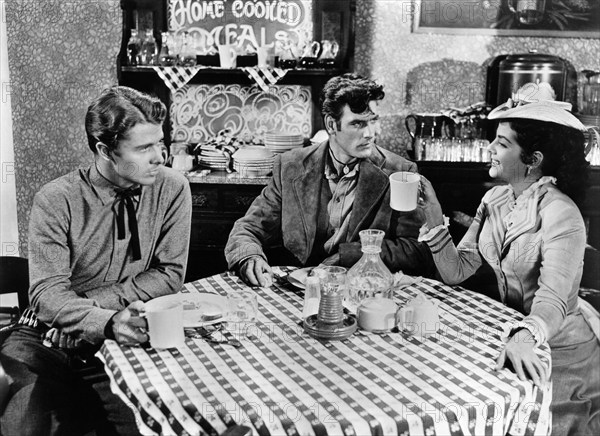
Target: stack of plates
{"type": "Point", "coordinates": [281, 142]}
{"type": "Point", "coordinates": [215, 160]}
{"type": "Point", "coordinates": [253, 161]}
{"type": "Point", "coordinates": [254, 169]}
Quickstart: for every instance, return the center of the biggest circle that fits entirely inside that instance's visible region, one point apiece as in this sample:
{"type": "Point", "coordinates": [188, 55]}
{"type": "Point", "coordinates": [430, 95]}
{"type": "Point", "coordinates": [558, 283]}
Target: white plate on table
{"type": "Point", "coordinates": [298, 277]}
{"type": "Point", "coordinates": [200, 309]}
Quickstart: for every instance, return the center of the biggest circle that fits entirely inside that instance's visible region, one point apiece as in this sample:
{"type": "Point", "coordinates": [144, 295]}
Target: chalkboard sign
{"type": "Point", "coordinates": [242, 22]}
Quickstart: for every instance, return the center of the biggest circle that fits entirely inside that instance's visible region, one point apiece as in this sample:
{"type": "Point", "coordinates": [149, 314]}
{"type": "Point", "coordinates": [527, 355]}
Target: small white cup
{"type": "Point", "coordinates": [165, 323]}
{"type": "Point", "coordinates": [227, 56]}
{"type": "Point", "coordinates": [183, 162]}
{"type": "Point", "coordinates": [419, 317]}
{"type": "Point", "coordinates": [404, 191]}
{"type": "Point", "coordinates": [263, 56]}
{"type": "Point", "coordinates": [377, 314]}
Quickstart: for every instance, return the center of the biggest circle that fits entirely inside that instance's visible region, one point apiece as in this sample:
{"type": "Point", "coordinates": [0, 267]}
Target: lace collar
{"type": "Point", "coordinates": [537, 185]}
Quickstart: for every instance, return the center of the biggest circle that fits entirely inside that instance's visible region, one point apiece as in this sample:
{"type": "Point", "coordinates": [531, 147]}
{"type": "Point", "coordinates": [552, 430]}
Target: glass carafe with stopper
{"type": "Point", "coordinates": [369, 277]}
{"type": "Point", "coordinates": [149, 52]}
{"type": "Point", "coordinates": [134, 45]}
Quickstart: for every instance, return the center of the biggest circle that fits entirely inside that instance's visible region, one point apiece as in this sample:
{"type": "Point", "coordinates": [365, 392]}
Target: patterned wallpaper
{"type": "Point", "coordinates": [61, 54]}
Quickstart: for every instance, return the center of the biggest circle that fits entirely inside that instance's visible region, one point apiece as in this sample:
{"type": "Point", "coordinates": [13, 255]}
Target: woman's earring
{"type": "Point", "coordinates": [528, 170]}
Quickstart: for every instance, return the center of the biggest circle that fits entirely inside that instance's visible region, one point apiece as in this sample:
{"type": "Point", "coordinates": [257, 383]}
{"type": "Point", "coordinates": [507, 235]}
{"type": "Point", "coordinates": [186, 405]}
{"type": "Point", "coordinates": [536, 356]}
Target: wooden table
{"type": "Point", "coordinates": [283, 382]}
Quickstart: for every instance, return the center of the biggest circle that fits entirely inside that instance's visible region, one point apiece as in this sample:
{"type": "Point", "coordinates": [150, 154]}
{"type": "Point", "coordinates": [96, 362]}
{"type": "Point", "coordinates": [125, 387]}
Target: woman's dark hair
{"type": "Point", "coordinates": [563, 150]}
{"type": "Point", "coordinates": [110, 117]}
{"type": "Point", "coordinates": [348, 89]}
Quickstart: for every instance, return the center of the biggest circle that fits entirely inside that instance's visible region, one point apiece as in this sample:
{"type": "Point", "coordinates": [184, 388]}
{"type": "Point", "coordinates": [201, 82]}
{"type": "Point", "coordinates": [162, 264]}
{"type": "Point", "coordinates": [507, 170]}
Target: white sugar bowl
{"type": "Point", "coordinates": [377, 314]}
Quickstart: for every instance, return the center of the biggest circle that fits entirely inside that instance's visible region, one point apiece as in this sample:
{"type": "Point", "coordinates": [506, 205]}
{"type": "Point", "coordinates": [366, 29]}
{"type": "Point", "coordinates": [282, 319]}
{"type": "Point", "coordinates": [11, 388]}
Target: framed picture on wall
{"type": "Point", "coordinates": [553, 18]}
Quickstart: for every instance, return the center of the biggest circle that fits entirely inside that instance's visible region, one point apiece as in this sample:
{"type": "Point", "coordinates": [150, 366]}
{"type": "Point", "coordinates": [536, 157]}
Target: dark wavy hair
{"type": "Point", "coordinates": [110, 117]}
{"type": "Point", "coordinates": [349, 89]}
{"type": "Point", "coordinates": [563, 150]}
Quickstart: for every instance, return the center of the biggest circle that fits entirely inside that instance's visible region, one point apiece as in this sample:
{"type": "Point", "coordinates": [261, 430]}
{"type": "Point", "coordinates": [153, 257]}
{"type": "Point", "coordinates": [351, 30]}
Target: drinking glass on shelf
{"type": "Point", "coordinates": [176, 44]}
{"type": "Point", "coordinates": [433, 148]}
{"type": "Point", "coordinates": [445, 150]}
{"type": "Point", "coordinates": [484, 154]}
{"type": "Point", "coordinates": [167, 56]}
{"type": "Point", "coordinates": [456, 150]}
{"type": "Point", "coordinates": [187, 55]}
{"type": "Point", "coordinates": [477, 154]}
{"type": "Point", "coordinates": [420, 148]}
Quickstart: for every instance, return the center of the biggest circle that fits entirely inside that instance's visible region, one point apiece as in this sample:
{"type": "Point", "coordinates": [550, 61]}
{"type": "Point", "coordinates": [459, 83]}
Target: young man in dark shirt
{"type": "Point", "coordinates": [102, 240]}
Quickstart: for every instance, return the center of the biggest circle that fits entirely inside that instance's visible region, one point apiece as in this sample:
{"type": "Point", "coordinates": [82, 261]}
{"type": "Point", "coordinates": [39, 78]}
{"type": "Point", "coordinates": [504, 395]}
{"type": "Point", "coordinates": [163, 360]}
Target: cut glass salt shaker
{"type": "Point", "coordinates": [312, 296]}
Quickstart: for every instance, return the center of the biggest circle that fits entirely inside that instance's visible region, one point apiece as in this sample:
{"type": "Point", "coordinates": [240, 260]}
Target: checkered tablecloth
{"type": "Point", "coordinates": [283, 382]}
{"type": "Point", "coordinates": [176, 77]}
{"type": "Point", "coordinates": [264, 77]}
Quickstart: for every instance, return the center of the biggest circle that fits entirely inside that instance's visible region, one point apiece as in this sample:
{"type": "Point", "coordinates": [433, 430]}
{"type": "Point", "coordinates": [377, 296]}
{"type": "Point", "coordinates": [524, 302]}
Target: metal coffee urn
{"type": "Point", "coordinates": [508, 73]}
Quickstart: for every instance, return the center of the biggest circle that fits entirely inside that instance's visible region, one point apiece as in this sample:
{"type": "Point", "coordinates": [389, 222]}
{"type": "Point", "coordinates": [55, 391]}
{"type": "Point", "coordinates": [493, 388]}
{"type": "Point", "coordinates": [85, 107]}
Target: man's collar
{"type": "Point", "coordinates": [335, 170]}
{"type": "Point", "coordinates": [105, 189]}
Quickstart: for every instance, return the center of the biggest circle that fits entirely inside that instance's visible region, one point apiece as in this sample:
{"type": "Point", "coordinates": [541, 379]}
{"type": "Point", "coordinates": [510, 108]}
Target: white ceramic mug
{"type": "Point", "coordinates": [227, 56]}
{"type": "Point", "coordinates": [183, 162]}
{"type": "Point", "coordinates": [404, 190]}
{"type": "Point", "coordinates": [263, 55]}
{"type": "Point", "coordinates": [165, 323]}
{"type": "Point", "coordinates": [419, 317]}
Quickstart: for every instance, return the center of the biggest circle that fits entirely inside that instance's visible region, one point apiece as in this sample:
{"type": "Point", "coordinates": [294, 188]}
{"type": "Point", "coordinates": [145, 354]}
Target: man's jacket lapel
{"type": "Point", "coordinates": [307, 192]}
{"type": "Point", "coordinates": [372, 186]}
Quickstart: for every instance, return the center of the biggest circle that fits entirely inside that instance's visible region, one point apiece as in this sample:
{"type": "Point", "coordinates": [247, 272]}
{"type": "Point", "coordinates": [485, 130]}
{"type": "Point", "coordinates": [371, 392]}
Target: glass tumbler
{"type": "Point", "coordinates": [333, 286]}
{"type": "Point", "coordinates": [333, 278]}
{"type": "Point", "coordinates": [242, 306]}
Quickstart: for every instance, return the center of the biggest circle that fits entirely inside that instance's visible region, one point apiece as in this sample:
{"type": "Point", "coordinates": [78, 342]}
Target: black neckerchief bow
{"type": "Point", "coordinates": [125, 198]}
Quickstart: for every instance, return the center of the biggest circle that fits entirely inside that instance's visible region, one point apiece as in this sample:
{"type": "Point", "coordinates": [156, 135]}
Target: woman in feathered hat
{"type": "Point", "coordinates": [532, 234]}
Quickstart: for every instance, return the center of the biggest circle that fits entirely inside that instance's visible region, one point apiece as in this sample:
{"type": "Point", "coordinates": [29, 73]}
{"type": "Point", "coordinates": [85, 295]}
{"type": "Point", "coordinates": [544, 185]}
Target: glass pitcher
{"type": "Point", "coordinates": [329, 51]}
{"type": "Point", "coordinates": [309, 54]}
{"type": "Point", "coordinates": [369, 276]}
{"type": "Point", "coordinates": [287, 58]}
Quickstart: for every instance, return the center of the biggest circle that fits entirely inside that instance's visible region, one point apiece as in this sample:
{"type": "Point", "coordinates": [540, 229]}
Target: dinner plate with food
{"type": "Point", "coordinates": [200, 309]}
{"type": "Point", "coordinates": [298, 277]}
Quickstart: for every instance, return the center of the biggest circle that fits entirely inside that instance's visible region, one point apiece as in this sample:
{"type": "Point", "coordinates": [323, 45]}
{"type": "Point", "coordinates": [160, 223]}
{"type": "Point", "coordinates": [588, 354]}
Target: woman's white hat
{"type": "Point", "coordinates": [538, 106]}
